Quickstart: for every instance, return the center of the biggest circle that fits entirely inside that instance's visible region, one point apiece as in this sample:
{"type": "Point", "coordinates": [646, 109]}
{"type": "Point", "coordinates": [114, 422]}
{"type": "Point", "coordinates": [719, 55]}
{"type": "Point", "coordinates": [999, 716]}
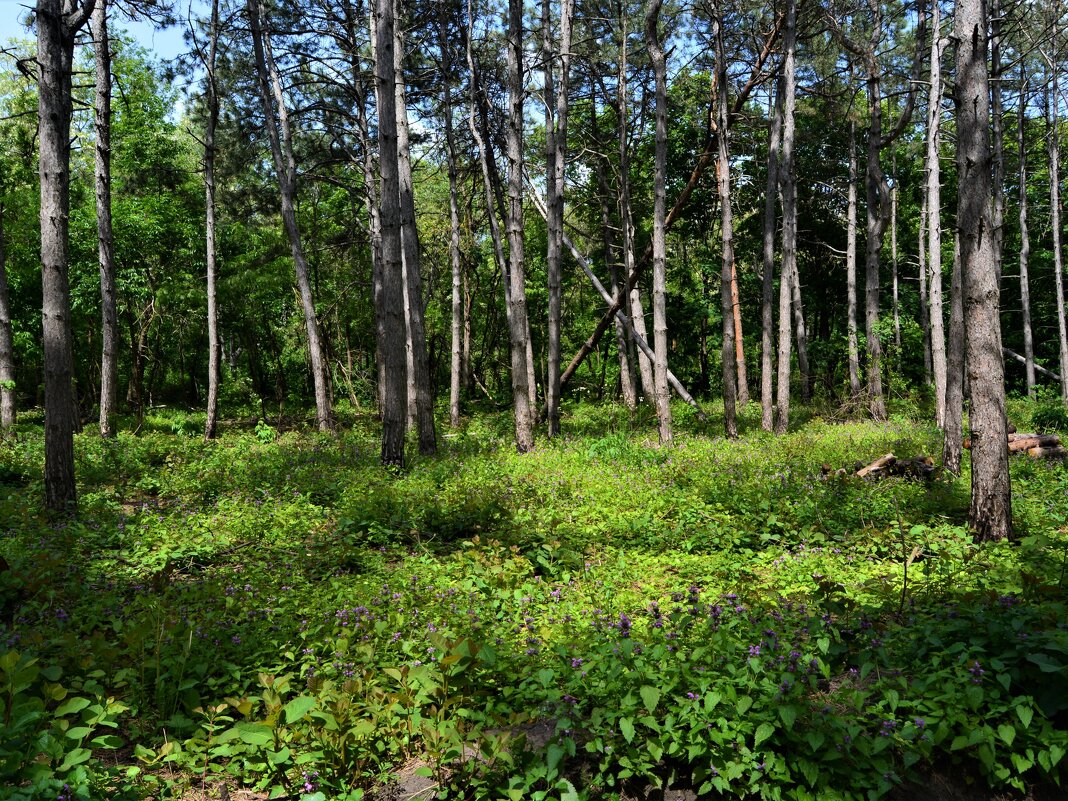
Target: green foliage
{"type": "Point", "coordinates": [580, 622]}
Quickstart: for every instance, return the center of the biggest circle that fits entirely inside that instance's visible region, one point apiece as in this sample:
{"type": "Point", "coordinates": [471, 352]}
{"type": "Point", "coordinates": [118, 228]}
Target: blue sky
{"type": "Point", "coordinates": [164, 44]}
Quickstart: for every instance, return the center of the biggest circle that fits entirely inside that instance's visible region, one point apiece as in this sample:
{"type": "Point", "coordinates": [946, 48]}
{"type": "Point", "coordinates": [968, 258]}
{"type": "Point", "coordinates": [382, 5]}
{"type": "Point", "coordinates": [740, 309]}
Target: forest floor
{"type": "Point", "coordinates": [272, 615]}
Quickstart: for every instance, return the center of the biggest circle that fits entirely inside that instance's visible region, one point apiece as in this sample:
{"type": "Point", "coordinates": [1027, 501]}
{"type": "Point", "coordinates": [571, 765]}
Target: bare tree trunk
{"type": "Point", "coordinates": [728, 304]}
{"type": "Point", "coordinates": [933, 196]}
{"type": "Point", "coordinates": [391, 296]}
{"type": "Point", "coordinates": [788, 188]}
{"type": "Point", "coordinates": [660, 341]}
{"type": "Point", "coordinates": [1055, 214]}
{"type": "Point", "coordinates": [878, 201]}
{"type": "Point", "coordinates": [800, 335]}
{"type": "Point", "coordinates": [412, 262]}
{"type": "Point", "coordinates": [893, 257]}
{"type": "Point", "coordinates": [109, 331]}
{"type": "Point", "coordinates": [7, 345]}
{"type": "Point", "coordinates": [214, 347]}
{"type": "Point", "coordinates": [456, 377]}
{"type": "Point", "coordinates": [925, 317]}
{"type": "Point", "coordinates": [852, 344]}
{"type": "Point", "coordinates": [276, 120]}
{"type": "Point", "coordinates": [991, 506]}
{"type": "Point", "coordinates": [767, 315]}
{"type": "Point", "coordinates": [518, 328]}
{"type": "Point", "coordinates": [953, 427]}
{"type": "Point", "coordinates": [57, 23]}
{"type": "Point", "coordinates": [997, 111]}
{"type": "Point", "coordinates": [1025, 240]}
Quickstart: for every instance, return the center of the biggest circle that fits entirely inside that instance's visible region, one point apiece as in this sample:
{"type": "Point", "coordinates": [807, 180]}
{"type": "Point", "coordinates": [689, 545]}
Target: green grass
{"type": "Point", "coordinates": [275, 610]}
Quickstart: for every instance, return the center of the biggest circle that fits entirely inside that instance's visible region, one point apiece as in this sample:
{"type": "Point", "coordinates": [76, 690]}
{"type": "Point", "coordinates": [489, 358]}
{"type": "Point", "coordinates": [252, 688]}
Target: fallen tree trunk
{"type": "Point", "coordinates": [1025, 443]}
{"type": "Point", "coordinates": [878, 464]}
{"type": "Point", "coordinates": [1052, 452]}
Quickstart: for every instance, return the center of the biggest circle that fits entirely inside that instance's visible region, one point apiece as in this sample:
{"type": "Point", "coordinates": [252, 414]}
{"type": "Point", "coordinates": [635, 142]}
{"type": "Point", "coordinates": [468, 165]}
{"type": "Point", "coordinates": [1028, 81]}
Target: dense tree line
{"type": "Point", "coordinates": [373, 202]}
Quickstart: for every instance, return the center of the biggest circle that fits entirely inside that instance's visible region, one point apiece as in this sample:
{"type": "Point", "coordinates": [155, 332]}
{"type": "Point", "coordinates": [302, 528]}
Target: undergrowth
{"type": "Point", "coordinates": [272, 610]}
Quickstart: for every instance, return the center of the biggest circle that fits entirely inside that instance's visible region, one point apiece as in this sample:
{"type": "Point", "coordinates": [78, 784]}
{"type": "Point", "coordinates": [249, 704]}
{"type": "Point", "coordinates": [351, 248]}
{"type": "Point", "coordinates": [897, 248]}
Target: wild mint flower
{"type": "Point", "coordinates": [754, 650]}
{"type": "Point", "coordinates": [977, 672]}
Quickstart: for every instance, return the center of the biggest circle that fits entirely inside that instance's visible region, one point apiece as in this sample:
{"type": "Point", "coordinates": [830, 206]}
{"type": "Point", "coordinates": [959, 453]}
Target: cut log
{"type": "Point", "coordinates": [878, 464]}
{"type": "Point", "coordinates": [1033, 441]}
{"type": "Point", "coordinates": [1053, 452]}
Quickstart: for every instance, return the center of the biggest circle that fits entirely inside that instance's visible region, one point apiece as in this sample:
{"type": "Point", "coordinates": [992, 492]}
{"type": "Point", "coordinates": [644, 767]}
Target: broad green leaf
{"type": "Point", "coordinates": [626, 728]}
{"type": "Point", "coordinates": [1007, 733]}
{"type": "Point", "coordinates": [1025, 713]}
{"type": "Point", "coordinates": [71, 705]}
{"type": "Point", "coordinates": [650, 697]}
{"type": "Point", "coordinates": [298, 708]}
{"type": "Point", "coordinates": [763, 732]}
{"type": "Point", "coordinates": [788, 714]}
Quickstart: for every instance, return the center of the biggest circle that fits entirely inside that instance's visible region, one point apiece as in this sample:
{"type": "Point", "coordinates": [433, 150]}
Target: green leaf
{"type": "Point", "coordinates": [626, 727]}
{"type": "Point", "coordinates": [425, 771]}
{"type": "Point", "coordinates": [788, 714]}
{"type": "Point", "coordinates": [711, 700]}
{"type": "Point", "coordinates": [893, 699]}
{"type": "Point", "coordinates": [650, 697]}
{"type": "Point", "coordinates": [1007, 733]}
{"type": "Point", "coordinates": [554, 754]}
{"type": "Point", "coordinates": [743, 704]}
{"type": "Point", "coordinates": [71, 705]}
{"type": "Point", "coordinates": [1056, 754]}
{"type": "Point", "coordinates": [298, 708]}
{"type": "Point", "coordinates": [823, 643]}
{"type": "Point", "coordinates": [815, 740]}
{"type": "Point", "coordinates": [1021, 762]}
{"type": "Point", "coordinates": [77, 732]}
{"type": "Point", "coordinates": [279, 757]}
{"type": "Point", "coordinates": [75, 757]}
{"type": "Point", "coordinates": [1025, 713]}
{"type": "Point", "coordinates": [254, 733]}
{"type": "Point", "coordinates": [1045, 664]}
{"type": "Point", "coordinates": [763, 732]}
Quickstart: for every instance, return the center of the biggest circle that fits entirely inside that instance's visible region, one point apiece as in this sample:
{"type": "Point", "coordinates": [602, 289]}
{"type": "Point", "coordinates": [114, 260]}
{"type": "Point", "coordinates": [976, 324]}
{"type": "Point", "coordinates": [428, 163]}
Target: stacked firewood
{"type": "Point", "coordinates": [916, 467]}
{"type": "Point", "coordinates": [1037, 446]}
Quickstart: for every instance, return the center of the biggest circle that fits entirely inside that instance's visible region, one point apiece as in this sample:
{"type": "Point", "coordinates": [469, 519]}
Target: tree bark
{"type": "Point", "coordinates": [1053, 128]}
{"type": "Point", "coordinates": [852, 344]}
{"type": "Point", "coordinates": [109, 331]}
{"type": "Point", "coordinates": [456, 368]}
{"type": "Point", "coordinates": [728, 305]}
{"type": "Point", "coordinates": [767, 314]}
{"type": "Point", "coordinates": [391, 340]}
{"type": "Point", "coordinates": [7, 345]}
{"type": "Point", "coordinates": [953, 426]}
{"type": "Point", "coordinates": [893, 258]}
{"type": "Point", "coordinates": [660, 340]}
{"type": "Point", "coordinates": [1025, 240]}
{"type": "Point", "coordinates": [788, 188]}
{"type": "Point", "coordinates": [411, 261]}
{"type": "Point", "coordinates": [214, 346]}
{"type": "Point", "coordinates": [518, 327]}
{"type": "Point", "coordinates": [57, 23]}
{"type": "Point", "coordinates": [933, 194]}
{"type": "Point", "coordinates": [997, 130]}
{"type": "Point", "coordinates": [991, 505]}
{"type": "Point", "coordinates": [279, 134]}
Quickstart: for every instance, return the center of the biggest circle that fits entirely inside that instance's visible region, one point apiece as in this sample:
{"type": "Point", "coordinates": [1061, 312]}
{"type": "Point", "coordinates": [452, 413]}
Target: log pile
{"type": "Point", "coordinates": [916, 467]}
{"type": "Point", "coordinates": [1037, 446]}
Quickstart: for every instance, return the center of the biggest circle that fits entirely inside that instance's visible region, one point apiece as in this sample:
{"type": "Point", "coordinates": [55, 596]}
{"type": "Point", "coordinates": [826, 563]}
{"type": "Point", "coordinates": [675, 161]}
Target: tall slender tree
{"type": "Point", "coordinates": [1025, 238]}
{"type": "Point", "coordinates": [7, 345]}
{"type": "Point", "coordinates": [58, 21]}
{"type": "Point", "coordinates": [767, 312]}
{"type": "Point", "coordinates": [991, 504]}
{"type": "Point", "coordinates": [728, 306]}
{"type": "Point", "coordinates": [933, 205]}
{"type": "Point", "coordinates": [788, 188]}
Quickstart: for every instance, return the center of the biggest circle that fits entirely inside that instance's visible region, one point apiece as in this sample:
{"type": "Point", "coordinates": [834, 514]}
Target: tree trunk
{"type": "Point", "coordinates": [456, 377]}
{"type": "Point", "coordinates": [925, 317]}
{"type": "Point", "coordinates": [878, 208]}
{"type": "Point", "coordinates": [109, 331]}
{"type": "Point", "coordinates": [279, 134]}
{"type": "Point", "coordinates": [214, 348]}
{"type": "Point", "coordinates": [1025, 240]}
{"type": "Point", "coordinates": [852, 344]}
{"type": "Point", "coordinates": [767, 315]}
{"type": "Point", "coordinates": [997, 130]}
{"type": "Point", "coordinates": [412, 262]}
{"type": "Point", "coordinates": [953, 426]}
{"type": "Point", "coordinates": [391, 340]}
{"type": "Point", "coordinates": [893, 258]}
{"type": "Point", "coordinates": [933, 195]}
{"type": "Point", "coordinates": [7, 345]}
{"type": "Point", "coordinates": [991, 506]}
{"type": "Point", "coordinates": [57, 24]}
{"type": "Point", "coordinates": [518, 327]}
{"type": "Point", "coordinates": [788, 188]}
{"type": "Point", "coordinates": [728, 304]}
{"type": "Point", "coordinates": [1055, 214]}
{"type": "Point", "coordinates": [660, 340]}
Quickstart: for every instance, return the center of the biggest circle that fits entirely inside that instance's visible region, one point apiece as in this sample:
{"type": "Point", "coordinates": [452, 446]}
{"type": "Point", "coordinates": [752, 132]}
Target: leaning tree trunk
{"type": "Point", "coordinates": [109, 330]}
{"type": "Point", "coordinates": [991, 507]}
{"type": "Point", "coordinates": [852, 345]}
{"type": "Point", "coordinates": [767, 314]}
{"type": "Point", "coordinates": [933, 196]}
{"type": "Point", "coordinates": [412, 262]}
{"type": "Point", "coordinates": [788, 188]}
{"type": "Point", "coordinates": [660, 341]}
{"type": "Point", "coordinates": [519, 330]}
{"type": "Point", "coordinates": [1025, 240]}
{"type": "Point", "coordinates": [1055, 214]}
{"type": "Point", "coordinates": [726, 224]}
{"type": "Point", "coordinates": [57, 23]}
{"type": "Point", "coordinates": [279, 134]}
{"type": "Point", "coordinates": [7, 346]}
{"type": "Point", "coordinates": [390, 317]}
{"type": "Point", "coordinates": [214, 347]}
